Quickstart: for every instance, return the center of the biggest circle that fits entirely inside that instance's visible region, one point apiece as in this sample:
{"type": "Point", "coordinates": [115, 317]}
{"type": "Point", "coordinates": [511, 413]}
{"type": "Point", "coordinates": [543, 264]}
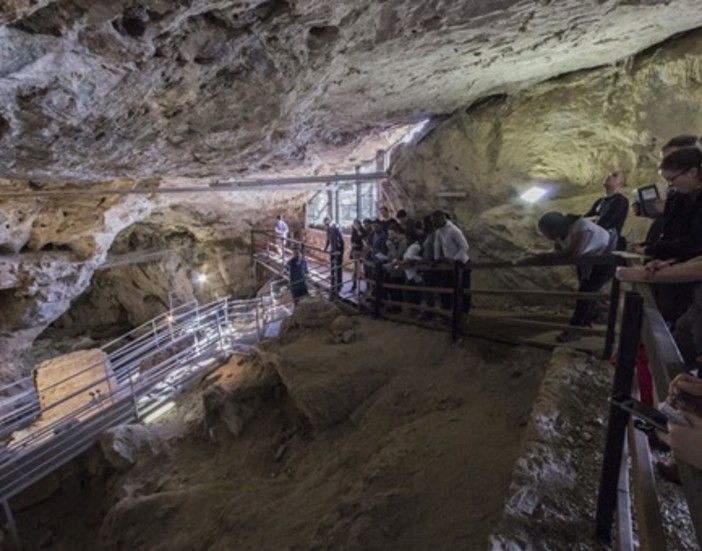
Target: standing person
{"type": "Point", "coordinates": [405, 221]}
{"type": "Point", "coordinates": [450, 247]}
{"type": "Point", "coordinates": [574, 236]}
{"type": "Point", "coordinates": [296, 269]}
{"type": "Point", "coordinates": [413, 256]}
{"type": "Point", "coordinates": [335, 246]}
{"type": "Point", "coordinates": [281, 233]}
{"type": "Point", "coordinates": [385, 218]}
{"type": "Point", "coordinates": [358, 244]}
{"type": "Point", "coordinates": [610, 211]}
{"type": "Point", "coordinates": [681, 234]}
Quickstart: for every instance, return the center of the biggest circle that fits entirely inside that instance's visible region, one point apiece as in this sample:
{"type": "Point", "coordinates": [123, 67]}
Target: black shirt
{"type": "Point", "coordinates": [681, 233]}
{"type": "Point", "coordinates": [611, 212]}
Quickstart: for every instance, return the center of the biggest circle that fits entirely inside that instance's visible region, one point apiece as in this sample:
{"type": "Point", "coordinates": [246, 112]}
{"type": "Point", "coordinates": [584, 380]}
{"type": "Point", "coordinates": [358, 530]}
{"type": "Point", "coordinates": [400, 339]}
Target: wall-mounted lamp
{"type": "Point", "coordinates": [533, 194]}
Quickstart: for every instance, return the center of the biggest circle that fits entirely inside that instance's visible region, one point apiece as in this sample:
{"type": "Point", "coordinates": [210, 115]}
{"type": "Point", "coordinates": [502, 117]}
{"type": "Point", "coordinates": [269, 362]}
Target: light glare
{"type": "Point", "coordinates": [533, 194]}
{"type": "Point", "coordinates": [161, 410]}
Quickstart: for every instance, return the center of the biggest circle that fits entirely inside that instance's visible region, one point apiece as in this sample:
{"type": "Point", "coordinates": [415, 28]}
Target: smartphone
{"type": "Point", "coordinates": [648, 414]}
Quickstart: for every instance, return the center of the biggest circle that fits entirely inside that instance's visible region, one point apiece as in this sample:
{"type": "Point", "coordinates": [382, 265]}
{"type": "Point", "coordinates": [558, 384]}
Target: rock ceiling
{"type": "Point", "coordinates": [92, 90]}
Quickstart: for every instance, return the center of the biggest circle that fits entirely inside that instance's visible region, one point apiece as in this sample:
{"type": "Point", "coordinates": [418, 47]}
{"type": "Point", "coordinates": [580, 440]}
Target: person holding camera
{"type": "Point", "coordinates": [681, 235]}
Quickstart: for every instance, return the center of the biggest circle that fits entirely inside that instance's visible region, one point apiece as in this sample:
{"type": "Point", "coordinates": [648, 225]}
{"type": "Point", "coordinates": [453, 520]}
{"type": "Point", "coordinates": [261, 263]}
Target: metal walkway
{"type": "Point", "coordinates": [147, 367]}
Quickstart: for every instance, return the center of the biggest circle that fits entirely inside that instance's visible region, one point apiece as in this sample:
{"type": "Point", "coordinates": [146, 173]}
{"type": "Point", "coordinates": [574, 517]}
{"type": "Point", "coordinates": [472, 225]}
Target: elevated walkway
{"type": "Point", "coordinates": [144, 370]}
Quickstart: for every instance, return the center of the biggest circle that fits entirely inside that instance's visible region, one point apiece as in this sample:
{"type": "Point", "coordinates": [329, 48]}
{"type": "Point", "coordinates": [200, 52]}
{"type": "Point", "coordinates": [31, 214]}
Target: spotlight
{"type": "Point", "coordinates": [533, 194]}
{"type": "Point", "coordinates": [170, 318]}
{"type": "Point", "coordinates": [201, 278]}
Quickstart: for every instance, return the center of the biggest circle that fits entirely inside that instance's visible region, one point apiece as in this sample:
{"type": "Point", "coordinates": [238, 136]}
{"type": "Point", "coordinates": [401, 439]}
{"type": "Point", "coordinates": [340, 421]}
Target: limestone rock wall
{"type": "Point", "coordinates": [96, 90]}
{"type": "Point", "coordinates": [50, 249]}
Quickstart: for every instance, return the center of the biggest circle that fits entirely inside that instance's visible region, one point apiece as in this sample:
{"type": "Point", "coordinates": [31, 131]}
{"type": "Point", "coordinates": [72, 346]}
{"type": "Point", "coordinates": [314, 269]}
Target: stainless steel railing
{"type": "Point", "coordinates": [146, 367]}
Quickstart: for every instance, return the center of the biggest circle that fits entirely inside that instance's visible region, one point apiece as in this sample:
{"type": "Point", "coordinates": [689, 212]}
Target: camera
{"type": "Point", "coordinates": [646, 198]}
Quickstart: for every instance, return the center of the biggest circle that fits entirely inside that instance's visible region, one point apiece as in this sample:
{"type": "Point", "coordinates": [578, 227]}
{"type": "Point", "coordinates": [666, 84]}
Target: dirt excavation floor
{"type": "Point", "coordinates": [346, 433]}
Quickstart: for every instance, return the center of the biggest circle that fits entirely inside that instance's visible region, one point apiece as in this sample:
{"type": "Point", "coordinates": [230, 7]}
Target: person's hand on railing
{"type": "Point", "coordinates": [632, 274]}
{"type": "Point", "coordinates": [685, 393]}
{"type": "Point", "coordinates": [686, 442]}
{"type": "Point", "coordinates": [642, 273]}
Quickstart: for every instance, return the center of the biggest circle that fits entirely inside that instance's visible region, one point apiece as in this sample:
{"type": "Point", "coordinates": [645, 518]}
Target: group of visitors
{"type": "Point", "coordinates": [411, 252]}
{"type": "Point", "coordinates": [673, 249]}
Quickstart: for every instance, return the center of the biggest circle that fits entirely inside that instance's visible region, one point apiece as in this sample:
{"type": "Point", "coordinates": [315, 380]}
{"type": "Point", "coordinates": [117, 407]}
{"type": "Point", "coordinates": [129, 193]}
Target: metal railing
{"type": "Point", "coordinates": [143, 369]}
{"type": "Point", "coordinates": [641, 322]}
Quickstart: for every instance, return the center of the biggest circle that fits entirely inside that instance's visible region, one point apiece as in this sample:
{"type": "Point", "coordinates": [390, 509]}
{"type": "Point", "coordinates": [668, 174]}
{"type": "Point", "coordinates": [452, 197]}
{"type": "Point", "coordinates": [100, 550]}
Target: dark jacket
{"type": "Point", "coordinates": [297, 271]}
{"type": "Point", "coordinates": [335, 239]}
{"type": "Point", "coordinates": [611, 212]}
{"type": "Point", "coordinates": [681, 233]}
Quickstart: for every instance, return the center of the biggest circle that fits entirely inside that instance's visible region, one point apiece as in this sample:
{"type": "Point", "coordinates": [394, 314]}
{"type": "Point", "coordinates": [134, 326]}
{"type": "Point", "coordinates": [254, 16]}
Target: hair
{"type": "Point", "coordinates": [554, 224]}
{"type": "Point", "coordinates": [395, 226]}
{"type": "Point", "coordinates": [683, 159]}
{"type": "Point", "coordinates": [367, 221]}
{"type": "Point", "coordinates": [280, 217]}
{"type": "Point", "coordinates": [402, 213]}
{"type": "Point", "coordinates": [683, 140]}
{"type": "Point", "coordinates": [384, 208]}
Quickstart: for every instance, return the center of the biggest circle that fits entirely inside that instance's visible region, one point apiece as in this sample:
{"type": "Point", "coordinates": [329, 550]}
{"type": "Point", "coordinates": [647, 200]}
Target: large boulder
{"type": "Point", "coordinates": [124, 445]}
{"type": "Point", "coordinates": [313, 313]}
{"type": "Point", "coordinates": [326, 393]}
{"type": "Point", "coordinates": [235, 391]}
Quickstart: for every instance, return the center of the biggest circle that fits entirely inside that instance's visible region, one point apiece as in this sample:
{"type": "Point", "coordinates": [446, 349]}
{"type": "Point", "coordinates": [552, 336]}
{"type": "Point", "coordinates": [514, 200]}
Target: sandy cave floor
{"type": "Point", "coordinates": [423, 461]}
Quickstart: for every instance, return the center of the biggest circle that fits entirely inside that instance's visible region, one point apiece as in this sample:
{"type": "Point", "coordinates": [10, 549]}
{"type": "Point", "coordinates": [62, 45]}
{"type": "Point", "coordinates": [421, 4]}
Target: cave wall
{"type": "Point", "coordinates": [52, 250]}
{"type": "Point", "coordinates": [566, 135]}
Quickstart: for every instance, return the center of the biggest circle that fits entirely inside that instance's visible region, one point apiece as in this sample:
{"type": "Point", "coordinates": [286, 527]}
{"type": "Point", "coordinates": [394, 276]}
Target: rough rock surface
{"type": "Point", "coordinates": [236, 391]}
{"type": "Point", "coordinates": [124, 445]}
{"type": "Point", "coordinates": [52, 247]}
{"type": "Point", "coordinates": [551, 502]}
{"type": "Point", "coordinates": [97, 90]}
{"type": "Point", "coordinates": [424, 463]}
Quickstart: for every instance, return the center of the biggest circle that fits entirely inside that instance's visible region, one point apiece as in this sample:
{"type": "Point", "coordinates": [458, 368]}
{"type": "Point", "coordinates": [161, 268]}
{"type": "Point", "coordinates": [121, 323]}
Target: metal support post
{"type": "Point", "coordinates": [9, 517]}
{"type": "Point", "coordinates": [457, 300]}
{"type": "Point", "coordinates": [378, 302]}
{"type": "Point", "coordinates": [618, 418]}
{"type": "Point", "coordinates": [611, 320]}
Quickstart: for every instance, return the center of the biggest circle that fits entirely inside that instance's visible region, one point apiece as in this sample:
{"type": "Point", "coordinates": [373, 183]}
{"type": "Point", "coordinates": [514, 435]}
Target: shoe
{"type": "Point", "coordinates": [668, 471]}
{"type": "Point", "coordinates": [567, 336]}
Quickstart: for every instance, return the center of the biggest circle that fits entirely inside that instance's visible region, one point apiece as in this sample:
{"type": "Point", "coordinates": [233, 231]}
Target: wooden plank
{"type": "Point", "coordinates": [540, 325]}
{"type": "Point", "coordinates": [533, 293]}
{"type": "Point", "coordinates": [648, 515]}
{"type": "Point", "coordinates": [624, 532]}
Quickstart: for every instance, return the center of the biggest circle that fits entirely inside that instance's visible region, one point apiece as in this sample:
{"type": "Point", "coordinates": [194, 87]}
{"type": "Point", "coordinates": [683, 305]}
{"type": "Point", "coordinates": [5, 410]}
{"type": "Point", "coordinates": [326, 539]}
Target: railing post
{"type": "Point", "coordinates": [618, 418]}
{"type": "Point", "coordinates": [611, 319]}
{"type": "Point", "coordinates": [378, 297]}
{"type": "Point", "coordinates": [12, 525]}
{"type": "Point", "coordinates": [457, 300]}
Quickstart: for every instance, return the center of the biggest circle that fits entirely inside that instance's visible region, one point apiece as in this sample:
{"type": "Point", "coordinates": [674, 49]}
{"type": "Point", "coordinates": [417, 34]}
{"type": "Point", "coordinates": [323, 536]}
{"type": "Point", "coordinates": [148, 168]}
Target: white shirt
{"type": "Point", "coordinates": [281, 228]}
{"type": "Point", "coordinates": [413, 252]}
{"type": "Point", "coordinates": [450, 243]}
{"type": "Point", "coordinates": [597, 239]}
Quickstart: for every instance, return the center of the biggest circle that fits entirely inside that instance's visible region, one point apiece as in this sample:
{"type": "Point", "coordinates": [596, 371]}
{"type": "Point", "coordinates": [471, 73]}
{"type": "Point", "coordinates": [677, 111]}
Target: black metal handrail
{"type": "Point", "coordinates": [642, 322]}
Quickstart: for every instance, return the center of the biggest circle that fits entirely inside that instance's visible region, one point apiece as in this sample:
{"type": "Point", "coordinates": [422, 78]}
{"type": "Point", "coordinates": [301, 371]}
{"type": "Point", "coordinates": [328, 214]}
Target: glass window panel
{"type": "Point", "coordinates": [317, 208]}
{"type": "Point", "coordinates": [346, 200]}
